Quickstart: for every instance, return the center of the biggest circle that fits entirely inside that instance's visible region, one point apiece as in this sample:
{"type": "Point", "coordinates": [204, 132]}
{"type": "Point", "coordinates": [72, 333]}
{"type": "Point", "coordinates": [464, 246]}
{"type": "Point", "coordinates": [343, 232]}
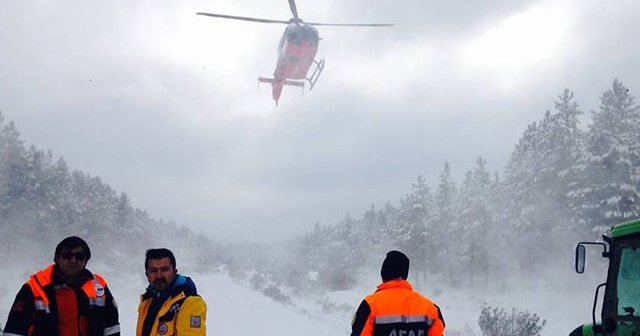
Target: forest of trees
{"type": "Point", "coordinates": [43, 201]}
{"type": "Point", "coordinates": [562, 183]}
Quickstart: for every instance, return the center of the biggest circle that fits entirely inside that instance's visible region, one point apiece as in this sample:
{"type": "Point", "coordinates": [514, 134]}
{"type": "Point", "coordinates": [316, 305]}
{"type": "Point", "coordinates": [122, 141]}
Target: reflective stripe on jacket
{"type": "Point", "coordinates": [35, 309]}
{"type": "Point", "coordinates": [180, 314]}
{"type": "Point", "coordinates": [395, 309]}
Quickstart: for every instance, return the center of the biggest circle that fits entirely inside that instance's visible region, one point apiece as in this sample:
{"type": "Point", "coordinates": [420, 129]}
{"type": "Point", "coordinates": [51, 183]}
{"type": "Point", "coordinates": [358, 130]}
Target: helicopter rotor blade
{"type": "Point", "coordinates": [243, 18]}
{"type": "Point", "coordinates": [350, 24]}
{"type": "Point", "coordinates": [294, 9]}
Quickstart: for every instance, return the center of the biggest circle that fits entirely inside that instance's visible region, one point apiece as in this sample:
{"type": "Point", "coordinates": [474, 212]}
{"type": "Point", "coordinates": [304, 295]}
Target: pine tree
{"type": "Point", "coordinates": [538, 179]}
{"type": "Point", "coordinates": [607, 189]}
{"type": "Point", "coordinates": [538, 173]}
{"type": "Point", "coordinates": [475, 227]}
{"type": "Point", "coordinates": [413, 232]}
{"type": "Point", "coordinates": [12, 164]}
{"type": "Point", "coordinates": [568, 148]}
{"type": "Point", "coordinates": [444, 221]}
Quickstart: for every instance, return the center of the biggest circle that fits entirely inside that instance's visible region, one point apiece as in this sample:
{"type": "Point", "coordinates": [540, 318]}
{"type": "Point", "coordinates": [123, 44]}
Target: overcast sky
{"type": "Point", "coordinates": [164, 105]}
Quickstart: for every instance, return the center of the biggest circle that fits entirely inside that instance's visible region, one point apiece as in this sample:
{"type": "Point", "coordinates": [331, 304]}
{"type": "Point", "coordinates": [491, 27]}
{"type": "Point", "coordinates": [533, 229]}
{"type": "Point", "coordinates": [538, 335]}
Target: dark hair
{"type": "Point", "coordinates": [70, 243]}
{"type": "Point", "coordinates": [159, 254]}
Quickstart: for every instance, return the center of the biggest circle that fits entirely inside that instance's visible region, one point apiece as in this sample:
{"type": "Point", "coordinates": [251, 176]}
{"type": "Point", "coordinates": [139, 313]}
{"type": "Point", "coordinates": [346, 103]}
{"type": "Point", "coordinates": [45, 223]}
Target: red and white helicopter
{"type": "Point", "coordinates": [296, 51]}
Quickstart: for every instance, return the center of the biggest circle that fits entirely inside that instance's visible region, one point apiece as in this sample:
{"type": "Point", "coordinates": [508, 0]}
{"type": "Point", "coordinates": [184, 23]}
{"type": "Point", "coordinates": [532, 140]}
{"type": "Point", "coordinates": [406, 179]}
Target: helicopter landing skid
{"type": "Point", "coordinates": [316, 73]}
{"type": "Point", "coordinates": [286, 82]}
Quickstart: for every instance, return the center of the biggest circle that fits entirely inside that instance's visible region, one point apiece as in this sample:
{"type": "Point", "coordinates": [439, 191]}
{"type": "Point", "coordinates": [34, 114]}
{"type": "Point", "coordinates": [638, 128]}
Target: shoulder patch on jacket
{"type": "Point", "coordinates": [195, 321]}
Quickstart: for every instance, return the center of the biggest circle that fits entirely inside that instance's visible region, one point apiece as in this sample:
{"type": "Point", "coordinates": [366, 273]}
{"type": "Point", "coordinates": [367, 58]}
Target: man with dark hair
{"type": "Point", "coordinates": [159, 254]}
{"type": "Point", "coordinates": [65, 299]}
{"type": "Point", "coordinates": [395, 309]}
{"type": "Point", "coordinates": [171, 304]}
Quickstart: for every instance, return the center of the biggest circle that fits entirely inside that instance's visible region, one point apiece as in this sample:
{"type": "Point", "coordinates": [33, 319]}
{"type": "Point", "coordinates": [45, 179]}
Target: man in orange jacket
{"type": "Point", "coordinates": [64, 299]}
{"type": "Point", "coordinates": [395, 309]}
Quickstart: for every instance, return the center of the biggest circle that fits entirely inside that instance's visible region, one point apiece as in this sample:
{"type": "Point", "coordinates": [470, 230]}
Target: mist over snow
{"type": "Point", "coordinates": [231, 303]}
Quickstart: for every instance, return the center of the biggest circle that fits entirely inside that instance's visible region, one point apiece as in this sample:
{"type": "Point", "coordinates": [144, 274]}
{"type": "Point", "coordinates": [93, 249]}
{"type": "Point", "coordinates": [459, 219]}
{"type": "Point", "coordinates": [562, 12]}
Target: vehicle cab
{"type": "Point", "coordinates": [620, 315]}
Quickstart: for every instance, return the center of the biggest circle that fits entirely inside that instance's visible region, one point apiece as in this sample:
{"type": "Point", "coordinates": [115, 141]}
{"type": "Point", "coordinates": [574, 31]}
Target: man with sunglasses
{"type": "Point", "coordinates": [64, 299]}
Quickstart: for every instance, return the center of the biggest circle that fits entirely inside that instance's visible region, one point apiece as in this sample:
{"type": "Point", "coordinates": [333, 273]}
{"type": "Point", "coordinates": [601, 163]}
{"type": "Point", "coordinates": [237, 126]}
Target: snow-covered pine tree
{"type": "Point", "coordinates": [537, 179]}
{"type": "Point", "coordinates": [475, 228]}
{"type": "Point", "coordinates": [414, 234]}
{"type": "Point", "coordinates": [13, 164]}
{"type": "Point", "coordinates": [444, 222]}
{"type": "Point", "coordinates": [345, 254]}
{"type": "Point", "coordinates": [607, 189]}
{"type": "Point", "coordinates": [567, 149]}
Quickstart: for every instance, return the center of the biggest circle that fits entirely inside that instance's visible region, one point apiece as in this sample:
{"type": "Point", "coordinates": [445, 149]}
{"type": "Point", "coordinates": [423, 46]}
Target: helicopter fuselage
{"type": "Point", "coordinates": [296, 52]}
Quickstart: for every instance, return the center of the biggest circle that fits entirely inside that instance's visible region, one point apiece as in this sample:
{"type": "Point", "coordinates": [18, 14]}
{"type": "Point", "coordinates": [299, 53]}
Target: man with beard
{"type": "Point", "coordinates": [65, 299]}
{"type": "Point", "coordinates": [171, 304]}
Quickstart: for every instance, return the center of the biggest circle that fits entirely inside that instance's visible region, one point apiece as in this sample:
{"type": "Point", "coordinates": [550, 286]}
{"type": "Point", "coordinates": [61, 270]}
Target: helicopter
{"type": "Point", "coordinates": [296, 51]}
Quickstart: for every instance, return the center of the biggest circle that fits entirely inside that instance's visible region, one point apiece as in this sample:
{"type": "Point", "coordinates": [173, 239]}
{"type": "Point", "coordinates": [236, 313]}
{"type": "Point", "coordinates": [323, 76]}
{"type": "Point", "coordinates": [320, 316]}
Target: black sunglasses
{"type": "Point", "coordinates": [79, 255]}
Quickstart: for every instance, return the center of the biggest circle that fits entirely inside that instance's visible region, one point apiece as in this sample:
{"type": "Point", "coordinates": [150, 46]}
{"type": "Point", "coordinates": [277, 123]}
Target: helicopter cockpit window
{"type": "Point", "coordinates": [302, 35]}
{"type": "Point", "coordinates": [294, 36]}
{"type": "Point", "coordinates": [629, 282]}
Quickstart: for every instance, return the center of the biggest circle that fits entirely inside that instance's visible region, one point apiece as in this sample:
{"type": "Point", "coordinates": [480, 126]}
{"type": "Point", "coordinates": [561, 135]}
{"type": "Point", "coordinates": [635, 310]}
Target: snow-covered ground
{"type": "Point", "coordinates": [236, 308]}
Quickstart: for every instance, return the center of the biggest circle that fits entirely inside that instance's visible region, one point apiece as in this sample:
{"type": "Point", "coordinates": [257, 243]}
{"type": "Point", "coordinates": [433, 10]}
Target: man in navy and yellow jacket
{"type": "Point", "coordinates": [395, 309]}
{"type": "Point", "coordinates": [171, 304]}
{"type": "Point", "coordinates": [64, 299]}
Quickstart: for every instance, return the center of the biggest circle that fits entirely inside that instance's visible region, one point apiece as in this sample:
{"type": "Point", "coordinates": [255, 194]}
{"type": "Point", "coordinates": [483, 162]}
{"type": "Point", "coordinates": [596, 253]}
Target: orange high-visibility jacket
{"type": "Point", "coordinates": [395, 309]}
{"type": "Point", "coordinates": [46, 307]}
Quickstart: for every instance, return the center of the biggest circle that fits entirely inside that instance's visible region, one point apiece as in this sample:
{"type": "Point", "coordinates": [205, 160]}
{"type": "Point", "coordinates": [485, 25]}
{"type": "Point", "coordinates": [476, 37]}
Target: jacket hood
{"type": "Point", "coordinates": [183, 283]}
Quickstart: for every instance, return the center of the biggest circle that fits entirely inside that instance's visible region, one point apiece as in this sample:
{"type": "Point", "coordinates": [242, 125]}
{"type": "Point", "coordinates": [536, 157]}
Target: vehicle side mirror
{"type": "Point", "coordinates": [580, 258]}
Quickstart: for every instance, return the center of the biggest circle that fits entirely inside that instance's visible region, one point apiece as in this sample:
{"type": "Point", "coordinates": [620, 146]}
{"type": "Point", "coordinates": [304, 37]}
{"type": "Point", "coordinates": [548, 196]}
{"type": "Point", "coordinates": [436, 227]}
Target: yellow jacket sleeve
{"type": "Point", "coordinates": [191, 320]}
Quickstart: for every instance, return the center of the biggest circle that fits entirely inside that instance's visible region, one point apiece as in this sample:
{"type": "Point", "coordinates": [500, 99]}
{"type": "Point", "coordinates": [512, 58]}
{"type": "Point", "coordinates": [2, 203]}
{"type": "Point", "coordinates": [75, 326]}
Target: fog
{"type": "Point", "coordinates": [561, 298]}
{"type": "Point", "coordinates": [159, 137]}
{"type": "Point", "coordinates": [160, 102]}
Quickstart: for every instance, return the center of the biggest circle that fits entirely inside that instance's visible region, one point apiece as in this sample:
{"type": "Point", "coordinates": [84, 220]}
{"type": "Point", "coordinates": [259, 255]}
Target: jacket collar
{"type": "Point", "coordinates": [180, 284]}
{"type": "Point", "coordinates": [397, 283]}
{"type": "Point", "coordinates": [58, 278]}
{"type": "Point", "coordinates": [52, 275]}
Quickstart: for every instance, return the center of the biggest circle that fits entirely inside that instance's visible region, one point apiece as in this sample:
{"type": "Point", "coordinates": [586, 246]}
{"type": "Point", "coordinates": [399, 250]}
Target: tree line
{"type": "Point", "coordinates": [562, 182]}
{"type": "Point", "coordinates": [42, 201]}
